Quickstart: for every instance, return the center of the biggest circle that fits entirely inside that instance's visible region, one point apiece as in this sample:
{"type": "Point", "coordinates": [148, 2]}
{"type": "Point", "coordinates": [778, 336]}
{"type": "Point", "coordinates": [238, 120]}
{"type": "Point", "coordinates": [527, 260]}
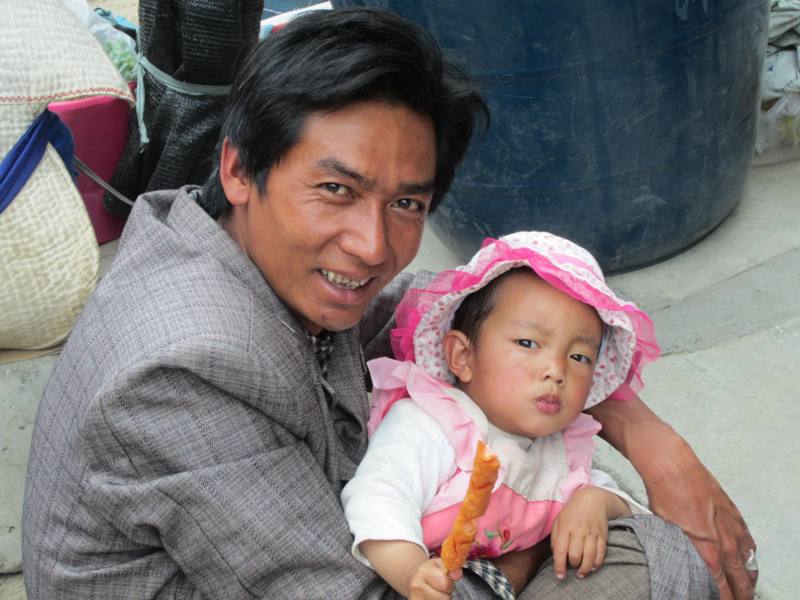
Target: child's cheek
{"type": "Point", "coordinates": [514, 375]}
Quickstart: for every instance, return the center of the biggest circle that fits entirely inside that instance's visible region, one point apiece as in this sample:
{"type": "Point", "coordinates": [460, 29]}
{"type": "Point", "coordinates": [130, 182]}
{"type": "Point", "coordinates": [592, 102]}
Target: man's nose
{"type": "Point", "coordinates": [367, 236]}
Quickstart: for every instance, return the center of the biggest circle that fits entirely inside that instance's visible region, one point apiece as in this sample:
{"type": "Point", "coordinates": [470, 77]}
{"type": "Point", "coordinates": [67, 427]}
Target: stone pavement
{"type": "Point", "coordinates": [727, 315]}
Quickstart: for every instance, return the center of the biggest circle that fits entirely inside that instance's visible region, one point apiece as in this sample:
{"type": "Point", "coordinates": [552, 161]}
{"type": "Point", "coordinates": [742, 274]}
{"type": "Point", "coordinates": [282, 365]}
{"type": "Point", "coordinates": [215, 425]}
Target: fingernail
{"type": "Point", "coordinates": [560, 575]}
{"type": "Point", "coordinates": [580, 575]}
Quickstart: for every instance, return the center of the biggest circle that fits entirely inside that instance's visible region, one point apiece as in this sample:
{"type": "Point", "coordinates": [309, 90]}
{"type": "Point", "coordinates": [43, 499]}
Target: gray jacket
{"type": "Point", "coordinates": [184, 446]}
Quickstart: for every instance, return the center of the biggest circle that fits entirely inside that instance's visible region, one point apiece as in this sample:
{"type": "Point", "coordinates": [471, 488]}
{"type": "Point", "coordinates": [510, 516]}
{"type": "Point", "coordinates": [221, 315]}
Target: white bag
{"type": "Point", "coordinates": [48, 252]}
{"type": "Point", "coordinates": [778, 137]}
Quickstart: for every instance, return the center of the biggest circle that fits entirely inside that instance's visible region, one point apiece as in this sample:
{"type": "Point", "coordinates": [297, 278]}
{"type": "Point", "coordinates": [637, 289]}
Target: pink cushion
{"type": "Point", "coordinates": [99, 125]}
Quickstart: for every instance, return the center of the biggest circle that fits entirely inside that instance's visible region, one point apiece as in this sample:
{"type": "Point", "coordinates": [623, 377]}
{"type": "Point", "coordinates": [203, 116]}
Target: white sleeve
{"type": "Point", "coordinates": [407, 460]}
{"type": "Point", "coordinates": [604, 480]}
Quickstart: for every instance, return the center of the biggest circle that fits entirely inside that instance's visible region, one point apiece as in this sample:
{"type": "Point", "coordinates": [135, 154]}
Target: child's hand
{"type": "Point", "coordinates": [580, 531]}
{"type": "Point", "coordinates": [428, 581]}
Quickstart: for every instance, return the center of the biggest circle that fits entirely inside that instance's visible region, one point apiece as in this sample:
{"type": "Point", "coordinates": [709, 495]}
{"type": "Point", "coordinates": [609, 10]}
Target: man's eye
{"type": "Point", "coordinates": [581, 358]}
{"type": "Point", "coordinates": [409, 204]}
{"type": "Point", "coordinates": [527, 343]}
{"type": "Point", "coordinates": [335, 188]}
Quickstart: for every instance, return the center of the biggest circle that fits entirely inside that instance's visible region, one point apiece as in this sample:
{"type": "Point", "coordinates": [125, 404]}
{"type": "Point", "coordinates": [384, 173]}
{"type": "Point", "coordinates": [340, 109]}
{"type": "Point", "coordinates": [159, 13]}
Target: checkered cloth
{"type": "Point", "coordinates": [493, 576]}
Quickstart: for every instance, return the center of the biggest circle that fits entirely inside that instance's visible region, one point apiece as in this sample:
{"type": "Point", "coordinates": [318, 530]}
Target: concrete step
{"type": "Point", "coordinates": [12, 587]}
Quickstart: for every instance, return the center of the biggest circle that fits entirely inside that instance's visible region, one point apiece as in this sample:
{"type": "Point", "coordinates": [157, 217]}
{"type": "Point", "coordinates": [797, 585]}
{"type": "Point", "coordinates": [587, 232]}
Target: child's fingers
{"type": "Point", "coordinates": [560, 547]}
{"type": "Point", "coordinates": [431, 582]}
{"type": "Point", "coordinates": [442, 589]}
{"type": "Point", "coordinates": [576, 544]}
{"type": "Point", "coordinates": [589, 555]}
{"type": "Point", "coordinates": [434, 588]}
{"type": "Point", "coordinates": [428, 593]}
{"type": "Point", "coordinates": [600, 554]}
{"type": "Point", "coordinates": [445, 585]}
{"type": "Point", "coordinates": [441, 581]}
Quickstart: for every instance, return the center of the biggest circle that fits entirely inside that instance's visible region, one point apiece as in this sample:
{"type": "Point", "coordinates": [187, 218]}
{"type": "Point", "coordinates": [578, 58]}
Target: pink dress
{"type": "Point", "coordinates": [536, 476]}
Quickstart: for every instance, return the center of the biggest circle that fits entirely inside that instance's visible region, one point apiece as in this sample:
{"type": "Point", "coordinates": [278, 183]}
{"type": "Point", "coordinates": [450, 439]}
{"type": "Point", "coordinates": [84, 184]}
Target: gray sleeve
{"type": "Point", "coordinates": [235, 500]}
{"type": "Point", "coordinates": [378, 321]}
{"type": "Point", "coordinates": [189, 464]}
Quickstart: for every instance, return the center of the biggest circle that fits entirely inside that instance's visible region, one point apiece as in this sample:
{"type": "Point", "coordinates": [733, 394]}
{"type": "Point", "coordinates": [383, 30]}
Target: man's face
{"type": "Point", "coordinates": [343, 211]}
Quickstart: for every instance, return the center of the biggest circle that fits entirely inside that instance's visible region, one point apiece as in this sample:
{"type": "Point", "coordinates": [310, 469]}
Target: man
{"type": "Point", "coordinates": [211, 400]}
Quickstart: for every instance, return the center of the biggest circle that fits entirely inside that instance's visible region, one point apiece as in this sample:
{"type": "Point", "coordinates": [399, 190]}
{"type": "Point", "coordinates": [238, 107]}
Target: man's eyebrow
{"type": "Point", "coordinates": [332, 164]}
{"type": "Point", "coordinates": [426, 187]}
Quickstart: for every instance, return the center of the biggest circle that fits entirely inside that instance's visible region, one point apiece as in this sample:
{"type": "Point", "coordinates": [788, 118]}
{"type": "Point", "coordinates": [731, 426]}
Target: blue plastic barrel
{"type": "Point", "coordinates": [627, 126]}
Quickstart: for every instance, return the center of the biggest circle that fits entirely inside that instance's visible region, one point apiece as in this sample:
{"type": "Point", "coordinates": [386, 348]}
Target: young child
{"type": "Point", "coordinates": [509, 349]}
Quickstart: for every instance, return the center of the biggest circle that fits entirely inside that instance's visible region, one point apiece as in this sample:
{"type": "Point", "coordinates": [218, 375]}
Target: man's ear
{"type": "Point", "coordinates": [458, 352]}
{"type": "Point", "coordinates": [235, 182]}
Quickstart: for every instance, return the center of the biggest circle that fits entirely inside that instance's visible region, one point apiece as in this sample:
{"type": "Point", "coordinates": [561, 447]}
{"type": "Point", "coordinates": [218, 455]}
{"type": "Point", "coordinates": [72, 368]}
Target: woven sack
{"type": "Point", "coordinates": [49, 258]}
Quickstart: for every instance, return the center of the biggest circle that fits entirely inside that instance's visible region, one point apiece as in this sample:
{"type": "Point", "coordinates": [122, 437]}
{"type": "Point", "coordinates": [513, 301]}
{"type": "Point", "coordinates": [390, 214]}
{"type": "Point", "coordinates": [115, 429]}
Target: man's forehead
{"type": "Point", "coordinates": [370, 143]}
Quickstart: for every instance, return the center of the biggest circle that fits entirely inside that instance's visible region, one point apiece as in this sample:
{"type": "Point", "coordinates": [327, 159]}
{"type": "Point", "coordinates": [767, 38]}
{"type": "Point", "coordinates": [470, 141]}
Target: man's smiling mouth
{"type": "Point", "coordinates": [342, 281]}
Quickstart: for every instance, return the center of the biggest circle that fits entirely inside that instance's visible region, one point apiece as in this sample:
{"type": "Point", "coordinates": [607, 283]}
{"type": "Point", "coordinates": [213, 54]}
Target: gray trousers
{"type": "Point", "coordinates": [646, 558]}
{"type": "Point", "coordinates": [623, 576]}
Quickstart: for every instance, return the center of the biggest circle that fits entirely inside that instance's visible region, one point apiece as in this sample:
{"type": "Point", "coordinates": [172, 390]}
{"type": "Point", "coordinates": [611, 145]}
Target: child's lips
{"type": "Point", "coordinates": [548, 404]}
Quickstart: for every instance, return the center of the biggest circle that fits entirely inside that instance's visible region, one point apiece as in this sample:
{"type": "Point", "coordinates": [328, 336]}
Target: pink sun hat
{"type": "Point", "coordinates": [424, 315]}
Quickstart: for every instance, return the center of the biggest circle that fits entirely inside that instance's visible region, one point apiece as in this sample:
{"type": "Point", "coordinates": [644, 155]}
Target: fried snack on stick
{"type": "Point", "coordinates": [456, 546]}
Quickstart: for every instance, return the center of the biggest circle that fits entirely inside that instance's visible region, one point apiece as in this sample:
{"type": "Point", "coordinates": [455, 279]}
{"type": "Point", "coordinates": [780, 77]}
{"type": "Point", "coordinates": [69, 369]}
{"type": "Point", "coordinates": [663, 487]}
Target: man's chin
{"type": "Point", "coordinates": [342, 325]}
{"type": "Point", "coordinates": [338, 321]}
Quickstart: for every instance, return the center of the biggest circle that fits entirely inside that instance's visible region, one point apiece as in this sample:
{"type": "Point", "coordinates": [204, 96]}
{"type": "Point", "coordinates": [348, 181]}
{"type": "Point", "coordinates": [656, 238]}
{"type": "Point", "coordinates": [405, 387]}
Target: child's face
{"type": "Point", "coordinates": [530, 368]}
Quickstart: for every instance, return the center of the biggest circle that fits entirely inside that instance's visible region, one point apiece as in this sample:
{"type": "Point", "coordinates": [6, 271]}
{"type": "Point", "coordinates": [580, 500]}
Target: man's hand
{"type": "Point", "coordinates": [428, 581]}
{"type": "Point", "coordinates": [682, 491]}
{"type": "Point", "coordinates": [688, 495]}
{"type": "Point", "coordinates": [580, 532]}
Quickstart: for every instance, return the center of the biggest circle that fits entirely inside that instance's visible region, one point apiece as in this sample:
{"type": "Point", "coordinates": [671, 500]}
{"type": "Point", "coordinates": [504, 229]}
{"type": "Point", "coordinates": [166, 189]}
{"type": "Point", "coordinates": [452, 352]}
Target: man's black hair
{"type": "Point", "coordinates": [326, 60]}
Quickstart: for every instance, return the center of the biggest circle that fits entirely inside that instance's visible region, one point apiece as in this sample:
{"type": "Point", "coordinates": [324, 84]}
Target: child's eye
{"type": "Point", "coordinates": [527, 343]}
{"type": "Point", "coordinates": [581, 358]}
